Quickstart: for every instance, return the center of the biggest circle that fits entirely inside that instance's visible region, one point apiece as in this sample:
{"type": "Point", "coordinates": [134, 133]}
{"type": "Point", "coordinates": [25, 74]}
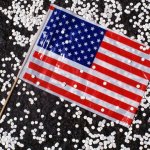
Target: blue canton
{"type": "Point", "coordinates": [71, 37]}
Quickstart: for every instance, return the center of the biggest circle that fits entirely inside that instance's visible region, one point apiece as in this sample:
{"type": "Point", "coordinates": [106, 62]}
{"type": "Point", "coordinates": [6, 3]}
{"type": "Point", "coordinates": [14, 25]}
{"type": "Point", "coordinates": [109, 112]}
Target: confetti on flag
{"type": "Point", "coordinates": [85, 63]}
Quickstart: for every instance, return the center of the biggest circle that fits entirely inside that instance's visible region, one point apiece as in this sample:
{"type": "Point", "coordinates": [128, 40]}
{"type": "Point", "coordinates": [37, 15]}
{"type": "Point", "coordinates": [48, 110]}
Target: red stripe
{"type": "Point", "coordinates": [51, 7]}
{"type": "Point", "coordinates": [81, 87]}
{"type": "Point", "coordinates": [126, 41]}
{"type": "Point", "coordinates": [123, 66]}
{"type": "Point", "coordinates": [77, 98]}
{"type": "Point", "coordinates": [124, 53]}
{"type": "Point", "coordinates": [87, 76]}
{"type": "Point", "coordinates": [118, 76]}
{"type": "Point", "coordinates": [119, 90]}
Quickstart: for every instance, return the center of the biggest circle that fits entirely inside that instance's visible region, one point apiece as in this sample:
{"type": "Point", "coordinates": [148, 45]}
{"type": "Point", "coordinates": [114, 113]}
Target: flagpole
{"type": "Point", "coordinates": [29, 52]}
{"type": "Point", "coordinates": [8, 97]}
{"type": "Point", "coordinates": [16, 80]}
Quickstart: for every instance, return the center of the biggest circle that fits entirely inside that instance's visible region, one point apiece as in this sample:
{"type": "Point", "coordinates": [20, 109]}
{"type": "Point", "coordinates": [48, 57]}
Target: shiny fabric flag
{"type": "Point", "coordinates": [90, 65]}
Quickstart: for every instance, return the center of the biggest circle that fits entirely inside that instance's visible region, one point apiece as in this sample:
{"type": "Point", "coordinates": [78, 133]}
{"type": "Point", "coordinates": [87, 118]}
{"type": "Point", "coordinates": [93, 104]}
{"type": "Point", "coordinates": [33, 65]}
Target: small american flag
{"type": "Point", "coordinates": [100, 70]}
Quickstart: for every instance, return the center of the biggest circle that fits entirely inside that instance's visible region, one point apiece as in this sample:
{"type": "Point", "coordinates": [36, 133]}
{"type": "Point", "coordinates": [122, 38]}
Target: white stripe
{"type": "Point", "coordinates": [80, 93]}
{"type": "Point", "coordinates": [86, 82]}
{"type": "Point", "coordinates": [124, 60]}
{"type": "Point", "coordinates": [121, 72]}
{"type": "Point", "coordinates": [85, 69]}
{"type": "Point", "coordinates": [79, 104]}
{"type": "Point", "coordinates": [126, 48]}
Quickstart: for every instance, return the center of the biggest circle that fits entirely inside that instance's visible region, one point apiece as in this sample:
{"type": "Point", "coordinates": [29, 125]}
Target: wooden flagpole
{"type": "Point", "coordinates": [29, 52]}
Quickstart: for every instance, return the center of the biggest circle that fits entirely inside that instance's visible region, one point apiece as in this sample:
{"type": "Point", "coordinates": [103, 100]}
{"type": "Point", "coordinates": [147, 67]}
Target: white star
{"type": "Point", "coordinates": [66, 49]}
{"type": "Point", "coordinates": [60, 24]}
{"type": "Point", "coordinates": [86, 30]}
{"type": "Point", "coordinates": [54, 39]}
{"type": "Point", "coordinates": [59, 50]}
{"type": "Point", "coordinates": [85, 57]}
{"type": "Point", "coordinates": [92, 28]}
{"type": "Point", "coordinates": [79, 45]}
{"type": "Point", "coordinates": [66, 35]}
{"type": "Point", "coordinates": [79, 31]}
{"type": "Point", "coordinates": [92, 42]}
{"type": "Point", "coordinates": [64, 16]}
{"type": "Point", "coordinates": [57, 45]}
{"type": "Point", "coordinates": [55, 12]}
{"type": "Point", "coordinates": [92, 55]}
{"type": "Point", "coordinates": [72, 47]}
{"type": "Point", "coordinates": [51, 46]}
{"type": "Point", "coordinates": [52, 20]}
{"type": "Point", "coordinates": [63, 31]}
{"type": "Point", "coordinates": [67, 22]}
{"type": "Point", "coordinates": [51, 33]}
{"type": "Point", "coordinates": [95, 48]}
{"type": "Point", "coordinates": [102, 32]}
{"type": "Point", "coordinates": [47, 41]}
{"type": "Point", "coordinates": [89, 49]}
{"type": "Point", "coordinates": [76, 26]}
{"type": "Point", "coordinates": [44, 34]}
{"type": "Point", "coordinates": [73, 33]}
{"type": "Point", "coordinates": [82, 37]}
{"type": "Point", "coordinates": [47, 27]}
{"type": "Point", "coordinates": [76, 53]}
{"type": "Point", "coordinates": [89, 36]}
{"type": "Point", "coordinates": [60, 37]}
{"type": "Point", "coordinates": [69, 28]}
{"type": "Point", "coordinates": [73, 20]}
{"type": "Point", "coordinates": [69, 54]}
{"type": "Point", "coordinates": [85, 44]}
{"type": "Point", "coordinates": [95, 34]}
{"type": "Point", "coordinates": [54, 25]}
{"type": "Point", "coordinates": [41, 43]}
{"type": "Point", "coordinates": [57, 31]}
{"type": "Point", "coordinates": [78, 58]}
{"type": "Point", "coordinates": [83, 24]}
{"type": "Point", "coordinates": [57, 18]}
{"type": "Point", "coordinates": [76, 39]}
{"type": "Point", "coordinates": [82, 51]}
{"type": "Point", "coordinates": [98, 40]}
{"type": "Point", "coordinates": [88, 62]}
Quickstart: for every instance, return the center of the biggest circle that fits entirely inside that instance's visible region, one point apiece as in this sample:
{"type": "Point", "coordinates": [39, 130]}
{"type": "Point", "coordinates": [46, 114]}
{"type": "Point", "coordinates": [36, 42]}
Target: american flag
{"type": "Point", "coordinates": [90, 65]}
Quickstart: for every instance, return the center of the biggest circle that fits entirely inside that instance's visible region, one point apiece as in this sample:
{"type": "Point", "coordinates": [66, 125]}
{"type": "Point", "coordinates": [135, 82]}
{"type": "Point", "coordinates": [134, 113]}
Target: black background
{"type": "Point", "coordinates": [47, 102]}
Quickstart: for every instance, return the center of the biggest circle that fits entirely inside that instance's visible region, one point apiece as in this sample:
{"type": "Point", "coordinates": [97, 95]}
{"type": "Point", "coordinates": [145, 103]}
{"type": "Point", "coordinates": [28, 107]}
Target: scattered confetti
{"type": "Point", "coordinates": [37, 120]}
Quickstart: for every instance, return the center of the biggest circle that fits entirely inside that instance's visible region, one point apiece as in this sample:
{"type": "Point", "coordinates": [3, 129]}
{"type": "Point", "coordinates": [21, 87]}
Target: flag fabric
{"type": "Point", "coordinates": [90, 65]}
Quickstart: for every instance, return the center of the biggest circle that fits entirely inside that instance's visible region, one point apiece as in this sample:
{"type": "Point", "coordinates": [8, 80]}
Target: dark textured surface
{"type": "Point", "coordinates": [47, 102]}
